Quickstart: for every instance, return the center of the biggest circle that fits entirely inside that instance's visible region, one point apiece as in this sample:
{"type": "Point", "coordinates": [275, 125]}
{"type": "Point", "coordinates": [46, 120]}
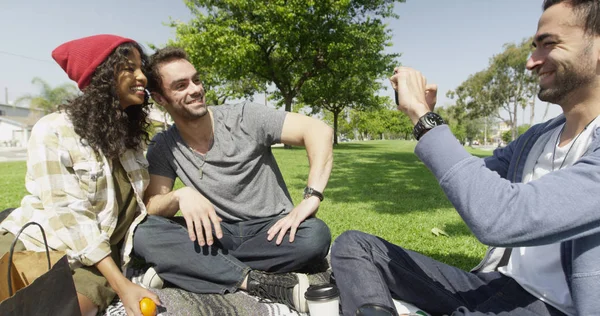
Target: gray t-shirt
{"type": "Point", "coordinates": [239, 173]}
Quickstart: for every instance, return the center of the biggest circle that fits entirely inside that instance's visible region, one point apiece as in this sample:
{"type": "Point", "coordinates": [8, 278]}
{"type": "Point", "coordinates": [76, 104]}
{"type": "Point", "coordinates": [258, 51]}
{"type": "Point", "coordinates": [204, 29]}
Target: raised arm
{"type": "Point", "coordinates": [317, 138]}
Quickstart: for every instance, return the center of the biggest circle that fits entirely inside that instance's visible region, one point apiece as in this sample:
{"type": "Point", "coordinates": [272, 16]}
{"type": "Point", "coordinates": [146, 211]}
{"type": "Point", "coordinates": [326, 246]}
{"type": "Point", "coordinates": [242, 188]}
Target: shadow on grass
{"type": "Point", "coordinates": [457, 229]}
{"type": "Point", "coordinates": [391, 180]}
{"type": "Point", "coordinates": [460, 261]}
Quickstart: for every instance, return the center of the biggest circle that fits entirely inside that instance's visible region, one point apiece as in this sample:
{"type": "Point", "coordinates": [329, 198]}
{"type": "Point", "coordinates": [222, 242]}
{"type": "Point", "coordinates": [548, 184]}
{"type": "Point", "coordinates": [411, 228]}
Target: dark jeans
{"type": "Point", "coordinates": [368, 269]}
{"type": "Point", "coordinates": [165, 244]}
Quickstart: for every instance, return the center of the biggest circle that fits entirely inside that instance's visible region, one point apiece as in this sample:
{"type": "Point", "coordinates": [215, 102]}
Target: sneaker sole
{"type": "Point", "coordinates": [299, 299]}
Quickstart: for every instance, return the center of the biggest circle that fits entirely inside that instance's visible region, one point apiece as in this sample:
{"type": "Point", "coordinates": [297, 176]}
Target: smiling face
{"type": "Point", "coordinates": [565, 56]}
{"type": "Point", "coordinates": [131, 81]}
{"type": "Point", "coordinates": [182, 91]}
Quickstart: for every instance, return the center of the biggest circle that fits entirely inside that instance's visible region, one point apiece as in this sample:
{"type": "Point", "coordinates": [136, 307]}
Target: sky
{"type": "Point", "coordinates": [447, 40]}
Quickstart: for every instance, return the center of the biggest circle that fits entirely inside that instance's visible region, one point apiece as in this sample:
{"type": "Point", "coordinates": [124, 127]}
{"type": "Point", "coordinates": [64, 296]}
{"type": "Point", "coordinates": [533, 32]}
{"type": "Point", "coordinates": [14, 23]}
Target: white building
{"type": "Point", "coordinates": [16, 123]}
{"type": "Point", "coordinates": [501, 128]}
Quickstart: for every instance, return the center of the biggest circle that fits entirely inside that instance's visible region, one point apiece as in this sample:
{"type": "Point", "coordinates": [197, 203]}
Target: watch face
{"type": "Point", "coordinates": [427, 122]}
{"type": "Point", "coordinates": [431, 120]}
{"type": "Point", "coordinates": [308, 192]}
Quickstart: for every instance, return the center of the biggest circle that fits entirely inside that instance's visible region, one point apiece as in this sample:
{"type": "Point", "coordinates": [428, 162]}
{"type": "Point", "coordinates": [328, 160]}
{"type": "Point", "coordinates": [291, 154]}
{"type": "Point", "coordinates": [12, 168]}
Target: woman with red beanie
{"type": "Point", "coordinates": [86, 171]}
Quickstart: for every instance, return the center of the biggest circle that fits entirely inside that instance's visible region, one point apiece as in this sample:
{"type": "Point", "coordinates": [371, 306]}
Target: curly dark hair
{"type": "Point", "coordinates": [97, 114]}
{"type": "Point", "coordinates": [162, 55]}
{"type": "Point", "coordinates": [586, 10]}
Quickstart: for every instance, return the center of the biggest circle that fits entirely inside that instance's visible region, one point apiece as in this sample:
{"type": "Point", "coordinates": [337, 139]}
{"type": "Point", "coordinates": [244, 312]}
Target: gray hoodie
{"type": "Point", "coordinates": [562, 206]}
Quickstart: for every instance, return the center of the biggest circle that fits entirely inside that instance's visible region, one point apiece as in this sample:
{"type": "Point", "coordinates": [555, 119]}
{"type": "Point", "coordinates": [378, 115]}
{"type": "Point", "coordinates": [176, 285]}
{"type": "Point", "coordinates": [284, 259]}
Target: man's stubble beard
{"type": "Point", "coordinates": [568, 80]}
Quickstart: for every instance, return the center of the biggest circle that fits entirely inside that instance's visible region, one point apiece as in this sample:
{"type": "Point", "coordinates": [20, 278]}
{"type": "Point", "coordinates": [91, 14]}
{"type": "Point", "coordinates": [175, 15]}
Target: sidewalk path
{"type": "Point", "coordinates": [13, 154]}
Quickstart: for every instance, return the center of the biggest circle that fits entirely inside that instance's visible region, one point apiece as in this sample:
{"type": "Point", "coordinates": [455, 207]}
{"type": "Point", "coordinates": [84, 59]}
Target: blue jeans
{"type": "Point", "coordinates": [370, 270]}
{"type": "Point", "coordinates": [165, 244]}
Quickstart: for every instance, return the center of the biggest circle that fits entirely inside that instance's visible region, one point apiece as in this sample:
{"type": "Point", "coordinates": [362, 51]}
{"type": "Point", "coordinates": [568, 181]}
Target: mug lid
{"type": "Point", "coordinates": [321, 292]}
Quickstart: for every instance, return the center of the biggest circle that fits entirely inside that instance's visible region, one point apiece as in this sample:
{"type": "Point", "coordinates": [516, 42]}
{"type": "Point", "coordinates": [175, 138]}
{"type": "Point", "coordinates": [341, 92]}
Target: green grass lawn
{"type": "Point", "coordinates": [378, 187]}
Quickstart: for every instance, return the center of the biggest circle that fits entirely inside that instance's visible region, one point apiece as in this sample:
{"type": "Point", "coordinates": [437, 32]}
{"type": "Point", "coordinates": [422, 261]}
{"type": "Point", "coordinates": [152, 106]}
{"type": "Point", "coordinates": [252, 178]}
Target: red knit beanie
{"type": "Point", "coordinates": [79, 58]}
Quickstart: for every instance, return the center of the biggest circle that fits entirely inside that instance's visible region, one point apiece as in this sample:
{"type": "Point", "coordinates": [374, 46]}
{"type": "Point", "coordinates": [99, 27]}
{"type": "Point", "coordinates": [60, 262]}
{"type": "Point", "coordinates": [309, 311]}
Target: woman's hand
{"type": "Point", "coordinates": [131, 294]}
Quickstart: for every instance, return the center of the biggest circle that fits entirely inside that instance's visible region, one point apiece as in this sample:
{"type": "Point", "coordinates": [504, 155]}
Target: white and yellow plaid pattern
{"type": "Point", "coordinates": [72, 194]}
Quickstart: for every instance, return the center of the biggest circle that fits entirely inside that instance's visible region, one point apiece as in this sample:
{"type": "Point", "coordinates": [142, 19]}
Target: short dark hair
{"type": "Point", "coordinates": [162, 55]}
{"type": "Point", "coordinates": [586, 10]}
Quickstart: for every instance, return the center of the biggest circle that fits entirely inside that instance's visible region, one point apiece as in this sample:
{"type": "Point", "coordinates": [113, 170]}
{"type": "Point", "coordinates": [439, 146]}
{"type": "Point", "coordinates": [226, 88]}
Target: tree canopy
{"type": "Point", "coordinates": [243, 47]}
{"type": "Point", "coordinates": [353, 82]}
{"type": "Point", "coordinates": [505, 84]}
{"type": "Point", "coordinates": [50, 97]}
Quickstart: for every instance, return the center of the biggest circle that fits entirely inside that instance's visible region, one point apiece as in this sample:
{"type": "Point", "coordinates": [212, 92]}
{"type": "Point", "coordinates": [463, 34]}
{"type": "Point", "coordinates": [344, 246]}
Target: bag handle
{"type": "Point", "coordinates": [12, 249]}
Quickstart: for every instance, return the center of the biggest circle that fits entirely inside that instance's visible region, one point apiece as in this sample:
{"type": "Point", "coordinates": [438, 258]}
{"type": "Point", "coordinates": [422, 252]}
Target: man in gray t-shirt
{"type": "Point", "coordinates": [240, 230]}
{"type": "Point", "coordinates": [238, 174]}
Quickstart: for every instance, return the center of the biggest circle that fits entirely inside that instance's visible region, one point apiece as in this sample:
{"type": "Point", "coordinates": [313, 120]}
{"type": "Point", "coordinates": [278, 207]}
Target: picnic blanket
{"type": "Point", "coordinates": [180, 302]}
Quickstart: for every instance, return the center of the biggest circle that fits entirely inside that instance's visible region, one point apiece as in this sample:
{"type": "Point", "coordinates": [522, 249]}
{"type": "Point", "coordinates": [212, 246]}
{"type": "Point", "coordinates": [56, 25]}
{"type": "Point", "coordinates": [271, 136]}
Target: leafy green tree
{"type": "Point", "coordinates": [50, 97]}
{"type": "Point", "coordinates": [279, 42]}
{"type": "Point", "coordinates": [514, 86]}
{"type": "Point", "coordinates": [402, 125]}
{"type": "Point", "coordinates": [344, 127]}
{"type": "Point", "coordinates": [473, 97]}
{"type": "Point", "coordinates": [523, 128]}
{"type": "Point", "coordinates": [359, 97]}
{"type": "Point", "coordinates": [376, 123]}
{"type": "Point", "coordinates": [362, 122]}
{"type": "Point", "coordinates": [464, 127]}
{"type": "Point", "coordinates": [218, 88]}
{"type": "Point", "coordinates": [506, 136]}
{"type": "Point", "coordinates": [352, 82]}
{"type": "Point", "coordinates": [505, 85]}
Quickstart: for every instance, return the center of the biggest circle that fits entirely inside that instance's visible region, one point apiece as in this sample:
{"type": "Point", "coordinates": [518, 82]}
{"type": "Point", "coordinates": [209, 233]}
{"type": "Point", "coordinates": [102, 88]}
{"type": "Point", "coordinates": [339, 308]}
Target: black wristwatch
{"type": "Point", "coordinates": [308, 192]}
{"type": "Point", "coordinates": [427, 122]}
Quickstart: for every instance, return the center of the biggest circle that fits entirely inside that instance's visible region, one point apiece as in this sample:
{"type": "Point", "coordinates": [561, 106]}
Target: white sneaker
{"type": "Point", "coordinates": [298, 293]}
{"type": "Point", "coordinates": [152, 280]}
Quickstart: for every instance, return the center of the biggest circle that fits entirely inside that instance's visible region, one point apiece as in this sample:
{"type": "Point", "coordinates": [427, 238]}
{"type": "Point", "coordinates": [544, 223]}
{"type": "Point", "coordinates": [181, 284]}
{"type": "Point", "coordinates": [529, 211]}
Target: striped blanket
{"type": "Point", "coordinates": [180, 302]}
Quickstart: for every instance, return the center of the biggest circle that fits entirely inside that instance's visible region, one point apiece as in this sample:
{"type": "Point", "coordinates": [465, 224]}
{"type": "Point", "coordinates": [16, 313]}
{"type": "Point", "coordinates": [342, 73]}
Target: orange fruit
{"type": "Point", "coordinates": [148, 307]}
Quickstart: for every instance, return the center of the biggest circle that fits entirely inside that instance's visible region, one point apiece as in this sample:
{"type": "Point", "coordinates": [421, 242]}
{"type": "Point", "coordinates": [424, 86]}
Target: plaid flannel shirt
{"type": "Point", "coordinates": [72, 194]}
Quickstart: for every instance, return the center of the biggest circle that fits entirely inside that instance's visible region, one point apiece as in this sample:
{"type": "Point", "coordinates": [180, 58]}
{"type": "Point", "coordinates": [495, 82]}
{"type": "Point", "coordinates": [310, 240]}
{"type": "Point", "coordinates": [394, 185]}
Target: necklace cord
{"type": "Point", "coordinates": [570, 147]}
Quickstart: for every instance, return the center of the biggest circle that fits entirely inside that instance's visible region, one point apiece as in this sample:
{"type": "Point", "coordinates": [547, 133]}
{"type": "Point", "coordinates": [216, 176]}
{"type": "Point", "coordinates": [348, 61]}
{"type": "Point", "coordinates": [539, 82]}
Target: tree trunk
{"type": "Point", "coordinates": [515, 121]}
{"type": "Point", "coordinates": [531, 116]}
{"type": "Point", "coordinates": [288, 108]}
{"type": "Point", "coordinates": [288, 103]}
{"type": "Point", "coordinates": [546, 111]}
{"type": "Point", "coordinates": [335, 126]}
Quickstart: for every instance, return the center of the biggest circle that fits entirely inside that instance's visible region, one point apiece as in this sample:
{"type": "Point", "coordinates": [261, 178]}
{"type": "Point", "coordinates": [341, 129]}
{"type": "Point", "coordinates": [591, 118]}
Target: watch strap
{"type": "Point", "coordinates": [419, 130]}
{"type": "Point", "coordinates": [308, 192]}
{"type": "Point", "coordinates": [427, 122]}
